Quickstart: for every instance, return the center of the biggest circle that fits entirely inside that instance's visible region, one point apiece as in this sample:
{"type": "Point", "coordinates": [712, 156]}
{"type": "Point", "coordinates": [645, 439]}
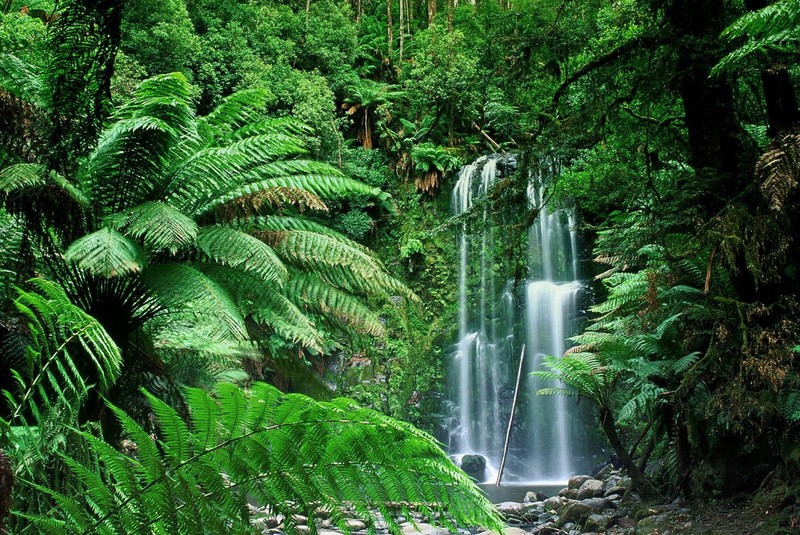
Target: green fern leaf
{"type": "Point", "coordinates": [190, 295]}
{"type": "Point", "coordinates": [237, 249]}
{"type": "Point", "coordinates": [159, 226]}
{"type": "Point", "coordinates": [106, 253]}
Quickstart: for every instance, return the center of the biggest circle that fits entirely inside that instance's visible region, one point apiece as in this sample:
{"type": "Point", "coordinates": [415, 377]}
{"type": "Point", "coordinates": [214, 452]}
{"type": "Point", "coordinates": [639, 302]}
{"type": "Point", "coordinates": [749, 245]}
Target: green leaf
{"type": "Point", "coordinates": [106, 253]}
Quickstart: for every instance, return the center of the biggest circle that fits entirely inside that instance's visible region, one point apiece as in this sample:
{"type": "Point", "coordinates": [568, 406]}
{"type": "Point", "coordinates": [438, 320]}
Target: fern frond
{"type": "Point", "coordinates": [63, 340]}
{"type": "Point", "coordinates": [778, 169]}
{"type": "Point", "coordinates": [338, 263]}
{"type": "Point", "coordinates": [20, 79]}
{"type": "Point", "coordinates": [327, 300]}
{"type": "Point", "coordinates": [190, 295]}
{"type": "Point", "coordinates": [127, 165]}
{"type": "Point", "coordinates": [250, 205]}
{"type": "Point", "coordinates": [159, 226]}
{"type": "Point", "coordinates": [231, 247]}
{"type": "Point", "coordinates": [775, 27]}
{"type": "Point", "coordinates": [106, 253]}
{"type": "Point", "coordinates": [790, 406]}
{"type": "Point", "coordinates": [287, 451]}
{"type": "Point", "coordinates": [322, 180]}
{"type": "Point", "coordinates": [22, 176]}
{"type": "Point", "coordinates": [274, 309]}
{"type": "Point", "coordinates": [236, 111]}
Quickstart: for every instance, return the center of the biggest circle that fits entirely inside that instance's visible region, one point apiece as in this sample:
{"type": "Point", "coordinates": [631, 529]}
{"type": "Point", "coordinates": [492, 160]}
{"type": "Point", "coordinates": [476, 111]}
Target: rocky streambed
{"type": "Point", "coordinates": [601, 504]}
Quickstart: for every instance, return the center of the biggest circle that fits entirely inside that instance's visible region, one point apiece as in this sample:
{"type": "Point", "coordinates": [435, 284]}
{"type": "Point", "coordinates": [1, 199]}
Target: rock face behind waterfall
{"type": "Point", "coordinates": [498, 315]}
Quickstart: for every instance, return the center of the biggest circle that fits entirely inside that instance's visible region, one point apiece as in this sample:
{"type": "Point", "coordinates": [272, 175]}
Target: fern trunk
{"type": "Point", "coordinates": [640, 483]}
{"type": "Point", "coordinates": [6, 486]}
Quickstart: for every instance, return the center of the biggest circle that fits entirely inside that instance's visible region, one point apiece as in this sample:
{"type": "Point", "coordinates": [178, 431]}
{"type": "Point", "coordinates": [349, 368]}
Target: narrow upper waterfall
{"type": "Point", "coordinates": [497, 316]}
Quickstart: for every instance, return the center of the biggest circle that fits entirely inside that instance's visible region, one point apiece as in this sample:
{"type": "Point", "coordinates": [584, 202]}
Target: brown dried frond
{"type": "Point", "coordinates": [428, 182]}
{"type": "Point", "coordinates": [251, 204]}
{"type": "Point", "coordinates": [273, 238]}
{"type": "Point", "coordinates": [778, 169]}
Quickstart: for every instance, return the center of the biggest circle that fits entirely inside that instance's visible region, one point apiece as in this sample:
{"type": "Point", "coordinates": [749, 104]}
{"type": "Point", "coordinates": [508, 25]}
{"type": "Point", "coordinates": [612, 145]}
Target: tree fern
{"type": "Point", "coordinates": [57, 330]}
{"type": "Point", "coordinates": [189, 295]}
{"type": "Point", "coordinates": [107, 253]}
{"type": "Point", "coordinates": [159, 226]}
{"type": "Point", "coordinates": [322, 298]}
{"type": "Point", "coordinates": [233, 248]}
{"type": "Point", "coordinates": [337, 262]}
{"type": "Point", "coordinates": [286, 451]}
{"type": "Point", "coordinates": [775, 27]}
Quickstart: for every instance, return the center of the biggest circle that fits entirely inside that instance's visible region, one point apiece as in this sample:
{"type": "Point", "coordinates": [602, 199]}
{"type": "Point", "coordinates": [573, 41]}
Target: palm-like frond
{"type": "Point", "coordinates": [324, 299]}
{"type": "Point", "coordinates": [337, 262]}
{"type": "Point", "coordinates": [57, 331]}
{"type": "Point", "coordinates": [107, 253]}
{"type": "Point", "coordinates": [234, 248]}
{"type": "Point", "coordinates": [775, 28]}
{"type": "Point", "coordinates": [191, 296]}
{"type": "Point", "coordinates": [778, 169]}
{"type": "Point", "coordinates": [323, 180]}
{"type": "Point", "coordinates": [261, 301]}
{"type": "Point", "coordinates": [20, 79]}
{"type": "Point", "coordinates": [159, 226]}
{"type": "Point", "coordinates": [29, 176]}
{"type": "Point", "coordinates": [286, 451]}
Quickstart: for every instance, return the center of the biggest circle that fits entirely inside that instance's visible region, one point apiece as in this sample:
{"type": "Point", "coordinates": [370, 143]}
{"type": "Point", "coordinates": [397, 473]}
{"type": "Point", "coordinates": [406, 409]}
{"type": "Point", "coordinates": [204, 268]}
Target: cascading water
{"type": "Point", "coordinates": [493, 316]}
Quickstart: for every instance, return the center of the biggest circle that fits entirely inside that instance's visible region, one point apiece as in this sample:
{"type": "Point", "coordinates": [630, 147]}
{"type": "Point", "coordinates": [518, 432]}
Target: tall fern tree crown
{"type": "Point", "coordinates": [210, 216]}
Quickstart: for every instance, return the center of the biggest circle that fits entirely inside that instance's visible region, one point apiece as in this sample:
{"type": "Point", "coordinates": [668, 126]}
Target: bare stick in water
{"type": "Point", "coordinates": [510, 420]}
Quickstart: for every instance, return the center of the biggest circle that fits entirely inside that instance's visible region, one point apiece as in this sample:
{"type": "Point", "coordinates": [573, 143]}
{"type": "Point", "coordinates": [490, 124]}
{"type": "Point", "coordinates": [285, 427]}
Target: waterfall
{"type": "Point", "coordinates": [497, 316]}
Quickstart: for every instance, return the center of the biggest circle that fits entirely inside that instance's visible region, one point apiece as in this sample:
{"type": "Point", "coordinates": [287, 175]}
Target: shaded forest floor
{"type": "Point", "coordinates": [736, 516]}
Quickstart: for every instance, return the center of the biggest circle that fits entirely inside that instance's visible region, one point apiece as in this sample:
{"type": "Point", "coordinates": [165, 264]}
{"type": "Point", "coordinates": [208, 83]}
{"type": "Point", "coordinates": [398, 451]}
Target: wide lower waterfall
{"type": "Point", "coordinates": [496, 316]}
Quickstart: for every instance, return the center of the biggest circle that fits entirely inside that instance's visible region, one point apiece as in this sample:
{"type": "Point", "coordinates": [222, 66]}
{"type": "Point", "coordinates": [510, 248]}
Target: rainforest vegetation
{"type": "Point", "coordinates": [226, 252]}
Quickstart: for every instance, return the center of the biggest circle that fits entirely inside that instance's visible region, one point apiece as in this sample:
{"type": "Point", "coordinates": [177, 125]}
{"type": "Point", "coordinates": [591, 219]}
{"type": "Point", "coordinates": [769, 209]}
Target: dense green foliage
{"type": "Point", "coordinates": [199, 182]}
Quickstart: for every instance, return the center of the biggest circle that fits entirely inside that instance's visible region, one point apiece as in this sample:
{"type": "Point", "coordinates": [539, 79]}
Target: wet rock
{"type": "Point", "coordinates": [355, 525]}
{"type": "Point", "coordinates": [507, 531]}
{"type": "Point", "coordinates": [424, 529]}
{"type": "Point", "coordinates": [575, 512]}
{"type": "Point", "coordinates": [596, 522]}
{"type": "Point", "coordinates": [614, 491]}
{"type": "Point", "coordinates": [509, 508]}
{"type": "Point", "coordinates": [591, 488]}
{"type": "Point", "coordinates": [603, 472]}
{"type": "Point", "coordinates": [555, 503]}
{"type": "Point", "coordinates": [534, 497]}
{"type": "Point", "coordinates": [575, 482]}
{"type": "Point", "coordinates": [598, 504]}
{"type": "Point", "coordinates": [474, 466]}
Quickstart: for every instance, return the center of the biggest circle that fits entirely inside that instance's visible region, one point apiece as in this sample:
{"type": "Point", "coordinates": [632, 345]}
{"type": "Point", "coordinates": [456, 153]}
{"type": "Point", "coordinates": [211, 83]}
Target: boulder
{"type": "Point", "coordinates": [614, 491]}
{"type": "Point", "coordinates": [355, 525]}
{"type": "Point", "coordinates": [424, 529]}
{"type": "Point", "coordinates": [575, 482]}
{"type": "Point", "coordinates": [555, 503]}
{"type": "Point", "coordinates": [474, 466]}
{"type": "Point", "coordinates": [598, 504]}
{"type": "Point", "coordinates": [509, 508]}
{"type": "Point", "coordinates": [574, 511]}
{"type": "Point", "coordinates": [597, 523]}
{"type": "Point", "coordinates": [534, 497]}
{"type": "Point", "coordinates": [507, 531]}
{"type": "Point", "coordinates": [591, 488]}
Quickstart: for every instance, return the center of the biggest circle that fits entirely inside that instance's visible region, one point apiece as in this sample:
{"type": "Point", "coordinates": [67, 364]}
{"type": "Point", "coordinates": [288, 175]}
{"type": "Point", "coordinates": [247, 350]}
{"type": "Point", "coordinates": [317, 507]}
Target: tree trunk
{"type": "Point", "coordinates": [640, 482]}
{"type": "Point", "coordinates": [431, 11]}
{"type": "Point", "coordinates": [6, 486]}
{"type": "Point", "coordinates": [717, 141]}
{"type": "Point", "coordinates": [402, 29]}
{"type": "Point", "coordinates": [389, 25]}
